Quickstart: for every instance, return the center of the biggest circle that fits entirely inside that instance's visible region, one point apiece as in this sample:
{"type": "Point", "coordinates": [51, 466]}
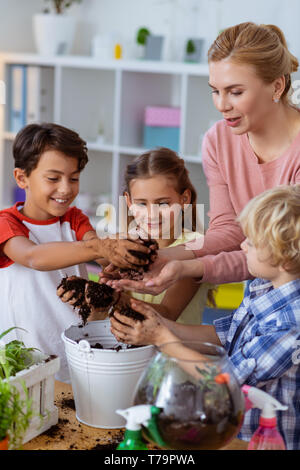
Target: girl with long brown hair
{"type": "Point", "coordinates": [163, 200]}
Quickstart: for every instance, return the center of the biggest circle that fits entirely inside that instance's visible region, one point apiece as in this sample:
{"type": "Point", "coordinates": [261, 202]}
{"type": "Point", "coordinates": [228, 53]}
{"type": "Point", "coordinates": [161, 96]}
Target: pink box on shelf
{"type": "Point", "coordinates": [162, 116]}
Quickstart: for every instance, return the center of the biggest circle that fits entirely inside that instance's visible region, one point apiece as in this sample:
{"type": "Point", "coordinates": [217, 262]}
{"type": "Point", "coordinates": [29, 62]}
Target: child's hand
{"type": "Point", "coordinates": [149, 331]}
{"type": "Point", "coordinates": [117, 251]}
{"type": "Point", "coordinates": [68, 296]}
{"type": "Point", "coordinates": [108, 274]}
{"type": "Point", "coordinates": [161, 275]}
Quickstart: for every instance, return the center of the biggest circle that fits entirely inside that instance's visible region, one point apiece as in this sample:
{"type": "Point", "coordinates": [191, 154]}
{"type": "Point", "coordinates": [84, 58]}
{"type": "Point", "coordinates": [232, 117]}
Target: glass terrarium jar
{"type": "Point", "coordinates": [201, 404]}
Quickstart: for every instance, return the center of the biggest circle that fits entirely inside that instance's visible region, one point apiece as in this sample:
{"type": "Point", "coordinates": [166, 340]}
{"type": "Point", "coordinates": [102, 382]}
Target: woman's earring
{"type": "Point", "coordinates": [276, 100]}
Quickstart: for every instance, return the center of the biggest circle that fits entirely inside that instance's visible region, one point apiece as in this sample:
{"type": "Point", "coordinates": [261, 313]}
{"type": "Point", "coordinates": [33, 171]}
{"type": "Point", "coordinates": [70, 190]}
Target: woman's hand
{"type": "Point", "coordinates": [161, 269]}
{"type": "Point", "coordinates": [149, 331]}
{"type": "Point", "coordinates": [109, 274]}
{"type": "Point", "coordinates": [173, 272]}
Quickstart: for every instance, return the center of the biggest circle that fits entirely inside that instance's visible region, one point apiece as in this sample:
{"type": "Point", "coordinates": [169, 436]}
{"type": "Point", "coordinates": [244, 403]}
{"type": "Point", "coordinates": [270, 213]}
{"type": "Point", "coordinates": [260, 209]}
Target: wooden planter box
{"type": "Point", "coordinates": [39, 380]}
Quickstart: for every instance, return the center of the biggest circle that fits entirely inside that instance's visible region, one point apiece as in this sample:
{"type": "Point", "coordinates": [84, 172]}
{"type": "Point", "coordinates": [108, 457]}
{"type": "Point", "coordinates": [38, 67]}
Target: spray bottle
{"type": "Point", "coordinates": [136, 417]}
{"type": "Point", "coordinates": [267, 436]}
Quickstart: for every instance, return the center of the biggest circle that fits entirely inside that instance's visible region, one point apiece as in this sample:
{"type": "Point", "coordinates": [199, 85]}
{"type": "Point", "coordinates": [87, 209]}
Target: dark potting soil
{"type": "Point", "coordinates": [117, 347]}
{"type": "Point", "coordinates": [110, 445]}
{"type": "Point", "coordinates": [92, 294]}
{"type": "Point", "coordinates": [76, 284]}
{"type": "Point", "coordinates": [54, 430]}
{"type": "Point", "coordinates": [129, 312]}
{"type": "Point", "coordinates": [99, 295]}
{"type": "Point", "coordinates": [68, 403]}
{"type": "Point", "coordinates": [88, 294]}
{"type": "Point", "coordinates": [137, 273]}
{"type": "Point", "coordinates": [50, 358]}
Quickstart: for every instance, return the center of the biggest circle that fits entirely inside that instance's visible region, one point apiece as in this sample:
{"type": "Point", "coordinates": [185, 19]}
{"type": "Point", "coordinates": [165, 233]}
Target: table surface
{"type": "Point", "coordinates": [70, 434]}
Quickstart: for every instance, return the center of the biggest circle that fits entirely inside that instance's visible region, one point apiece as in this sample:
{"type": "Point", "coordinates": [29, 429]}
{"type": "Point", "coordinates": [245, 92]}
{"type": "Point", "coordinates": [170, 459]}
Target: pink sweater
{"type": "Point", "coordinates": [234, 176]}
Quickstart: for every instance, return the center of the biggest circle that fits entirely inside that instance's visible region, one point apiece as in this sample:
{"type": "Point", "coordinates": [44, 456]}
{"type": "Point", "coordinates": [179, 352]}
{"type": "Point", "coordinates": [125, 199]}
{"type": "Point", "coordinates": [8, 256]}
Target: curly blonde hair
{"type": "Point", "coordinates": [272, 220]}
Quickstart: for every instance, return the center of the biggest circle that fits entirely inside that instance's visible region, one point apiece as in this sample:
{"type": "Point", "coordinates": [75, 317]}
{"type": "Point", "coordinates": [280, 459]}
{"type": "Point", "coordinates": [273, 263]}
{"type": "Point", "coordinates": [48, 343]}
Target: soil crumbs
{"type": "Point", "coordinates": [73, 433]}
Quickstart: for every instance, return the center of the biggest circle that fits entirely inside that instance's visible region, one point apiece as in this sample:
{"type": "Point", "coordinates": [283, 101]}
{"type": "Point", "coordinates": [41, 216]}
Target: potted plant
{"type": "Point", "coordinates": [193, 50]}
{"type": "Point", "coordinates": [150, 45]}
{"type": "Point", "coordinates": [22, 371]}
{"type": "Point", "coordinates": [15, 415]}
{"type": "Point", "coordinates": [53, 30]}
{"type": "Point", "coordinates": [15, 410]}
{"type": "Point", "coordinates": [141, 40]}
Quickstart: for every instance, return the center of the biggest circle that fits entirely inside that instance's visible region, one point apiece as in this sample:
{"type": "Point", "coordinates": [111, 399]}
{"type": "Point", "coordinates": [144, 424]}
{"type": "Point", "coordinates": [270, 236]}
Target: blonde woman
{"type": "Point", "coordinates": [255, 147]}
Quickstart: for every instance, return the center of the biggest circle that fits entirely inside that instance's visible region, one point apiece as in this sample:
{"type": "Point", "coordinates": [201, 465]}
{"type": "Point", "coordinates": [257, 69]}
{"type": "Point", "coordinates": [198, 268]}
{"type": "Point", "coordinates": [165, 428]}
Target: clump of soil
{"type": "Point", "coordinates": [129, 312]}
{"type": "Point", "coordinates": [99, 295]}
{"type": "Point", "coordinates": [68, 403]}
{"type": "Point", "coordinates": [137, 273]}
{"type": "Point", "coordinates": [88, 295]}
{"type": "Point", "coordinates": [76, 284]}
{"type": "Point", "coordinates": [54, 430]}
{"type": "Point", "coordinates": [110, 445]}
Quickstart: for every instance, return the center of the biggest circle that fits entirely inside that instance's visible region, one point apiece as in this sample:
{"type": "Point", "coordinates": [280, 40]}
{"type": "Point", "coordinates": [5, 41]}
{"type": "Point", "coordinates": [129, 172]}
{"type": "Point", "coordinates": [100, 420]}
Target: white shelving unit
{"type": "Point", "coordinates": [113, 94]}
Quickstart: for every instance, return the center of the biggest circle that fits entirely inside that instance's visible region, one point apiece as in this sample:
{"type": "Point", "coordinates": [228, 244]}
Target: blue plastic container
{"type": "Point", "coordinates": [155, 136]}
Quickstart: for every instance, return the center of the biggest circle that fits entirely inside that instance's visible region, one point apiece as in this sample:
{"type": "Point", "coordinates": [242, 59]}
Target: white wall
{"type": "Point", "coordinates": [15, 24]}
{"type": "Point", "coordinates": [175, 19]}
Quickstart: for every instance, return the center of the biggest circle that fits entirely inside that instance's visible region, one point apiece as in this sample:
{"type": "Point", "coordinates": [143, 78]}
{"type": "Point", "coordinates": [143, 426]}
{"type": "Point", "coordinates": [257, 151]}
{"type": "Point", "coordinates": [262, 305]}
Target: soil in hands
{"type": "Point", "coordinates": [99, 295]}
{"type": "Point", "coordinates": [137, 273]}
{"type": "Point", "coordinates": [89, 294]}
{"type": "Point", "coordinates": [129, 312]}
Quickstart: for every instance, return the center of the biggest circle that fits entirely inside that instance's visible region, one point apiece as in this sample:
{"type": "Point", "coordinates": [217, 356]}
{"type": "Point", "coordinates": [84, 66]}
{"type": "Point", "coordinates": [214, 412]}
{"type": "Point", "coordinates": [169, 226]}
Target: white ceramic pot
{"type": "Point", "coordinates": [103, 380]}
{"type": "Point", "coordinates": [53, 34]}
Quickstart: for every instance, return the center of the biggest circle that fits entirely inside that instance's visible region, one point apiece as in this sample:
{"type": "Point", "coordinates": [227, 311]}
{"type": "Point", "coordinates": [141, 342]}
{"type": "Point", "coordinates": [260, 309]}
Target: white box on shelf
{"type": "Point", "coordinates": [40, 93]}
{"type": "Point", "coordinates": [39, 381]}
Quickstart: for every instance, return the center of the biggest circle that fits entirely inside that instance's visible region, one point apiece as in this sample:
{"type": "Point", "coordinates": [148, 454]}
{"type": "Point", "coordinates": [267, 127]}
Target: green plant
{"type": "Point", "coordinates": [158, 370]}
{"type": "Point", "coordinates": [14, 356]}
{"type": "Point", "coordinates": [190, 47]}
{"type": "Point", "coordinates": [61, 5]}
{"type": "Point", "coordinates": [15, 413]}
{"type": "Point", "coordinates": [141, 37]}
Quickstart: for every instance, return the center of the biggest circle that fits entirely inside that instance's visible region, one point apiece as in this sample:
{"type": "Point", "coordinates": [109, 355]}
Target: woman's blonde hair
{"type": "Point", "coordinates": [262, 46]}
{"type": "Point", "coordinates": [272, 220]}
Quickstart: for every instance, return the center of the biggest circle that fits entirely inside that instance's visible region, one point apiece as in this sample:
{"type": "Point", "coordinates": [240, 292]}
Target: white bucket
{"type": "Point", "coordinates": [103, 380]}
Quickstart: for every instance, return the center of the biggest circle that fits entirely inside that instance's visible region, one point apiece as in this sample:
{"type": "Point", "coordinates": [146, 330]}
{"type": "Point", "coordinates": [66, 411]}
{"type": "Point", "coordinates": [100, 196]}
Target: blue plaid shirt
{"type": "Point", "coordinates": [266, 352]}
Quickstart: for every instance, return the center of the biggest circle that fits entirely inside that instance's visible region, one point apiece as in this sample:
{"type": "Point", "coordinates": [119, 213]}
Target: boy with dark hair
{"type": "Point", "coordinates": [44, 239]}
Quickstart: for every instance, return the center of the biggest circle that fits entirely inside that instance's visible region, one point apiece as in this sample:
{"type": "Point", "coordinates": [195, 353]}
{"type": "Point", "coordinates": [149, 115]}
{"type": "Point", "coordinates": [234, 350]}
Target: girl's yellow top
{"type": "Point", "coordinates": [192, 314]}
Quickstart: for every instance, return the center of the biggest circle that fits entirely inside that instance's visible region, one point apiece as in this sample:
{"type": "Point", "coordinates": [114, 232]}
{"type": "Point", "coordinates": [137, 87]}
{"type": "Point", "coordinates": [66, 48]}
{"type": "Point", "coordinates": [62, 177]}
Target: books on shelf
{"type": "Point", "coordinates": [17, 97]}
{"type": "Point", "coordinates": [31, 98]}
{"type": "Point", "coordinates": [40, 89]}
